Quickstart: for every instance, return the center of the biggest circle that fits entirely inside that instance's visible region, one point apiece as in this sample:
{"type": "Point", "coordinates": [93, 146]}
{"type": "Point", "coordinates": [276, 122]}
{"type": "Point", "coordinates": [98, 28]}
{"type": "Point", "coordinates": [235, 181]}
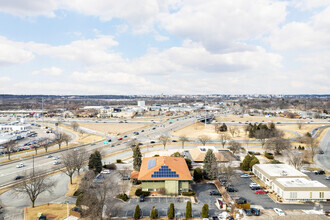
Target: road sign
{"type": "Point", "coordinates": [171, 119]}
{"type": "Point", "coordinates": [105, 142]}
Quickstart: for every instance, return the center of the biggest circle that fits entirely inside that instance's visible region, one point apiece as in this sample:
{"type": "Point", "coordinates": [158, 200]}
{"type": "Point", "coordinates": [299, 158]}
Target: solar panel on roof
{"type": "Point", "coordinates": [152, 163]}
{"type": "Point", "coordinates": [164, 171]}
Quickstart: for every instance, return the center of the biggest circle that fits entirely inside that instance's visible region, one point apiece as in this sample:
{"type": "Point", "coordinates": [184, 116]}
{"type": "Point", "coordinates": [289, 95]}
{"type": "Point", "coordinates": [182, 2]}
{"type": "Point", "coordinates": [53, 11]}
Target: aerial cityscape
{"type": "Point", "coordinates": [164, 109]}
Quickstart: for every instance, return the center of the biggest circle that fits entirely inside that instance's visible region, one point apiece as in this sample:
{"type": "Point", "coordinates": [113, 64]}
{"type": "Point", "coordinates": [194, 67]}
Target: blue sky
{"type": "Point", "coordinates": [164, 46]}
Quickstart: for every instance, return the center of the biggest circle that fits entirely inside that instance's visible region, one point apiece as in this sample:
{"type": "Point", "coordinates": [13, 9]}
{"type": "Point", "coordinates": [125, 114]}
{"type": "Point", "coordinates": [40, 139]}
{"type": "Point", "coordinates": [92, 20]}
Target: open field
{"type": "Point", "coordinates": [57, 211]}
{"type": "Point", "coordinates": [244, 118]}
{"type": "Point", "coordinates": [304, 129]}
{"type": "Point", "coordinates": [110, 128]}
{"type": "Point", "coordinates": [192, 132]}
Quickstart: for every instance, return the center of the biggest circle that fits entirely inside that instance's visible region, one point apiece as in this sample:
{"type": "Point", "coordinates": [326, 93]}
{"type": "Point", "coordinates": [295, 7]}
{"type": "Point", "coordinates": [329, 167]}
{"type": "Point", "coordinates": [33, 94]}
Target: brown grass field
{"type": "Point", "coordinates": [57, 211]}
{"type": "Point", "coordinates": [111, 128]}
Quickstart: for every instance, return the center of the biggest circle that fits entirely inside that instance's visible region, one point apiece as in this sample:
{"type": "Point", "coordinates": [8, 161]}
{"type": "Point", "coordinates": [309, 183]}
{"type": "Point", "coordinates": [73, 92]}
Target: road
{"type": "Point", "coordinates": [323, 160]}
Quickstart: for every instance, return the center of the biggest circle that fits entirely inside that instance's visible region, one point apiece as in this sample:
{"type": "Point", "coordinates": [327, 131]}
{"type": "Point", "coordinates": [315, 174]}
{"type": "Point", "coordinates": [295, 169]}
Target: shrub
{"type": "Point", "coordinates": [275, 162]}
{"type": "Point", "coordinates": [188, 210]}
{"type": "Point", "coordinates": [198, 174]}
{"type": "Point", "coordinates": [257, 153]}
{"type": "Point", "coordinates": [137, 213]}
{"type": "Point", "coordinates": [303, 148]}
{"type": "Point", "coordinates": [205, 211]}
{"type": "Point", "coordinates": [118, 161]}
{"type": "Point", "coordinates": [176, 154]}
{"type": "Point", "coordinates": [269, 155]}
{"type": "Point", "coordinates": [138, 192]}
{"type": "Point", "coordinates": [188, 162]}
{"type": "Point", "coordinates": [250, 152]}
{"type": "Point", "coordinates": [79, 199]}
{"type": "Point", "coordinates": [111, 166]}
{"type": "Point", "coordinates": [170, 214]}
{"type": "Point", "coordinates": [136, 182]}
{"type": "Point", "coordinates": [123, 197]}
{"type": "Point", "coordinates": [156, 155]}
{"type": "Point", "coordinates": [153, 213]}
{"type": "Point", "coordinates": [190, 193]}
{"type": "Point", "coordinates": [145, 193]}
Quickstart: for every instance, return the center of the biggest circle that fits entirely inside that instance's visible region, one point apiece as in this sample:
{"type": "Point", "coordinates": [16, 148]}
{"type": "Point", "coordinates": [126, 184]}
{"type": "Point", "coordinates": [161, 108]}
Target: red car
{"type": "Point", "coordinates": [261, 191]}
{"type": "Point", "coordinates": [119, 139]}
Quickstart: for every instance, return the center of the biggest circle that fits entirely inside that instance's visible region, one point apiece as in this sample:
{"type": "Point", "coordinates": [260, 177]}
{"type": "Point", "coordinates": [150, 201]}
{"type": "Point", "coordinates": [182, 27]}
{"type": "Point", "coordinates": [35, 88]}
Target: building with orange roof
{"type": "Point", "coordinates": [168, 174]}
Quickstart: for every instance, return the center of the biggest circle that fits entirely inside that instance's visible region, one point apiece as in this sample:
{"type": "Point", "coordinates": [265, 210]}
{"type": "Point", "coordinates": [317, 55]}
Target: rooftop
{"type": "Point", "coordinates": [299, 182]}
{"type": "Point", "coordinates": [279, 170]}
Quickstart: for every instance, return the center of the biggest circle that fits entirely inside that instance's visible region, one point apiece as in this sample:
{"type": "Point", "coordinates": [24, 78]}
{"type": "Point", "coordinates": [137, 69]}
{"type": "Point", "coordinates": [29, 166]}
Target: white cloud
{"type": "Point", "coordinates": [12, 52]}
{"type": "Point", "coordinates": [23, 8]}
{"type": "Point", "coordinates": [52, 71]}
{"type": "Point", "coordinates": [310, 4]}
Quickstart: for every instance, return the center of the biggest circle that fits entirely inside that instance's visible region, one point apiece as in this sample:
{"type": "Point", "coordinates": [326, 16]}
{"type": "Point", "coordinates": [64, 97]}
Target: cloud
{"type": "Point", "coordinates": [52, 71]}
{"type": "Point", "coordinates": [30, 8]}
{"type": "Point", "coordinates": [310, 4]}
{"type": "Point", "coordinates": [12, 52]}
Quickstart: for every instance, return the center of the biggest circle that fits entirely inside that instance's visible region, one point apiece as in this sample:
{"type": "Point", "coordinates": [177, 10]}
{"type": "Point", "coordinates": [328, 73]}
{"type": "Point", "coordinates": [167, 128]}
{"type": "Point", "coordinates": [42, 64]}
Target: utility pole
{"type": "Point", "coordinates": [42, 104]}
{"type": "Point", "coordinates": [205, 112]}
{"type": "Point", "coordinates": [33, 165]}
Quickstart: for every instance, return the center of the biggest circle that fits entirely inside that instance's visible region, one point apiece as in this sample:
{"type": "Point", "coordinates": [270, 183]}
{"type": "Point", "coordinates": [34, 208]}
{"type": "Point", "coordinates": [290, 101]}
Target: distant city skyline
{"type": "Point", "coordinates": [105, 47]}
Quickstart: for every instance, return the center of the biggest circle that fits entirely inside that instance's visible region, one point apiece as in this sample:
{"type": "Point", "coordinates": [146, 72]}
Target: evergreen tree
{"type": "Point", "coordinates": [210, 165]}
{"type": "Point", "coordinates": [137, 213]}
{"type": "Point", "coordinates": [171, 211]}
{"type": "Point", "coordinates": [198, 174]}
{"type": "Point", "coordinates": [188, 162]}
{"type": "Point", "coordinates": [253, 161]}
{"type": "Point", "coordinates": [205, 211]}
{"type": "Point", "coordinates": [153, 213]}
{"type": "Point", "coordinates": [95, 162]}
{"type": "Point", "coordinates": [137, 158]}
{"type": "Point", "coordinates": [246, 162]}
{"type": "Point", "coordinates": [188, 210]}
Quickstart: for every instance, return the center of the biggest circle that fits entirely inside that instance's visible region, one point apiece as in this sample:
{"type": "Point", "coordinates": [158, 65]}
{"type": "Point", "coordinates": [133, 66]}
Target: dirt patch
{"type": "Point", "coordinates": [114, 128]}
{"type": "Point", "coordinates": [72, 188]}
{"type": "Point", "coordinates": [56, 211]}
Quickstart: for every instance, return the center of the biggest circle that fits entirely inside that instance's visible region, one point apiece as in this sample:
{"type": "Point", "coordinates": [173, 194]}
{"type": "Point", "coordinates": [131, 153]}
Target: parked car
{"type": "Point", "coordinates": [215, 193]}
{"type": "Point", "coordinates": [261, 191]}
{"type": "Point", "coordinates": [174, 141]}
{"type": "Point", "coordinates": [321, 152]}
{"type": "Point", "coordinates": [141, 198]}
{"type": "Point", "coordinates": [20, 165]}
{"type": "Point", "coordinates": [241, 200]}
{"type": "Point", "coordinates": [255, 211]}
{"type": "Point", "coordinates": [152, 142]}
{"type": "Point", "coordinates": [231, 189]}
{"type": "Point", "coordinates": [255, 187]}
{"type": "Point", "coordinates": [327, 177]}
{"type": "Point", "coordinates": [247, 212]}
{"type": "Point", "coordinates": [279, 212]}
{"type": "Point", "coordinates": [106, 171]}
{"type": "Point", "coordinates": [319, 172]}
{"type": "Point", "coordinates": [119, 139]}
{"type": "Point", "coordinates": [244, 175]}
{"type": "Point", "coordinates": [254, 184]}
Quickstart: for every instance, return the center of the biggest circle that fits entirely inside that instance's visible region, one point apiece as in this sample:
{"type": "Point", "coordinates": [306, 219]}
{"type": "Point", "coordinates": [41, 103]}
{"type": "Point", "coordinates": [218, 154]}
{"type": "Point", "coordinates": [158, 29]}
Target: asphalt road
{"type": "Point", "coordinates": [323, 160]}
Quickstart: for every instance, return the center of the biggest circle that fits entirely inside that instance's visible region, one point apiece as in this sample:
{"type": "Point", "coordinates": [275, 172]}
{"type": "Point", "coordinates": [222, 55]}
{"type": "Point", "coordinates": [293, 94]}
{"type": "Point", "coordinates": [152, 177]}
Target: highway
{"type": "Point", "coordinates": [323, 160]}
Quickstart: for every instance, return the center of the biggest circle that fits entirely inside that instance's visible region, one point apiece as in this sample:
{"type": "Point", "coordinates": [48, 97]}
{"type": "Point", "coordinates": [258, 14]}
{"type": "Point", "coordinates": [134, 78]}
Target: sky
{"type": "Point", "coordinates": [150, 47]}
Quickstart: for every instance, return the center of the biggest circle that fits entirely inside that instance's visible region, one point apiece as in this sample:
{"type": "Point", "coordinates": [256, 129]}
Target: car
{"type": "Point", "coordinates": [106, 171]}
{"type": "Point", "coordinates": [215, 193]}
{"type": "Point", "coordinates": [112, 145]}
{"type": "Point", "coordinates": [119, 139]}
{"type": "Point", "coordinates": [261, 191]}
{"type": "Point", "coordinates": [19, 177]}
{"type": "Point", "coordinates": [255, 211]}
{"type": "Point", "coordinates": [20, 165]}
{"type": "Point", "coordinates": [255, 187]}
{"type": "Point", "coordinates": [279, 212]}
{"type": "Point", "coordinates": [153, 128]}
{"type": "Point", "coordinates": [56, 162]}
{"type": "Point", "coordinates": [244, 175]}
{"type": "Point", "coordinates": [215, 218]}
{"type": "Point", "coordinates": [152, 142]}
{"type": "Point", "coordinates": [303, 170]}
{"type": "Point", "coordinates": [319, 172]}
{"type": "Point", "coordinates": [254, 184]}
{"type": "Point", "coordinates": [49, 156]}
{"type": "Point", "coordinates": [109, 140]}
{"type": "Point", "coordinates": [125, 136]}
{"type": "Point", "coordinates": [241, 200]}
{"type": "Point", "coordinates": [142, 198]}
{"type": "Point", "coordinates": [327, 177]}
{"type": "Point", "coordinates": [231, 189]}
{"type": "Point", "coordinates": [321, 152]}
{"type": "Point", "coordinates": [247, 212]}
{"type": "Point", "coordinates": [278, 122]}
{"type": "Point", "coordinates": [56, 158]}
{"type": "Point", "coordinates": [142, 131]}
{"type": "Point", "coordinates": [174, 141]}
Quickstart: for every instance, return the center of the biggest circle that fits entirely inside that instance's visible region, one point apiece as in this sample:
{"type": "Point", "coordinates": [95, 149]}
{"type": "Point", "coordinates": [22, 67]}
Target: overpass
{"type": "Point", "coordinates": [208, 118]}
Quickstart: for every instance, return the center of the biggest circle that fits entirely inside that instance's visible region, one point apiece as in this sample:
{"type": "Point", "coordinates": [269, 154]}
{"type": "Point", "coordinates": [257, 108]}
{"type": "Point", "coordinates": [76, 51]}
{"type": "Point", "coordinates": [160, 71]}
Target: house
{"type": "Point", "coordinates": [164, 174]}
{"type": "Point", "coordinates": [301, 189]}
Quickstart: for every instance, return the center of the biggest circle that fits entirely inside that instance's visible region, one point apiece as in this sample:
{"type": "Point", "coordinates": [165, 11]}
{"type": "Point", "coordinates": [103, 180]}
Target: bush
{"type": "Point", "coordinates": [269, 155]}
{"type": "Point", "coordinates": [250, 152]}
{"type": "Point", "coordinates": [139, 192]}
{"type": "Point", "coordinates": [111, 166]}
{"type": "Point", "coordinates": [176, 154]}
{"type": "Point", "coordinates": [188, 210]}
{"type": "Point", "coordinates": [188, 162]}
{"type": "Point", "coordinates": [79, 199]}
{"type": "Point", "coordinates": [118, 161]}
{"type": "Point", "coordinates": [190, 193]}
{"type": "Point", "coordinates": [275, 162]}
{"type": "Point", "coordinates": [136, 182]}
{"type": "Point", "coordinates": [156, 155]}
{"type": "Point", "coordinates": [123, 197]}
{"type": "Point", "coordinates": [170, 214]}
{"type": "Point", "coordinates": [205, 211]}
{"type": "Point", "coordinates": [137, 213]}
{"type": "Point", "coordinates": [198, 174]}
{"type": "Point", "coordinates": [257, 153]}
{"type": "Point", "coordinates": [145, 193]}
{"type": "Point", "coordinates": [153, 213]}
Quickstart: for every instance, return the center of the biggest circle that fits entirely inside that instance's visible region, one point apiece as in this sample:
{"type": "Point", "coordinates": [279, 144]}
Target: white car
{"type": "Point", "coordinates": [56, 162]}
{"type": "Point", "coordinates": [304, 170]}
{"type": "Point", "coordinates": [279, 212]}
{"type": "Point", "coordinates": [106, 171]}
{"type": "Point", "coordinates": [244, 175]}
{"type": "Point", "coordinates": [254, 185]}
{"type": "Point", "coordinates": [20, 165]}
{"type": "Point", "coordinates": [49, 156]}
{"type": "Point", "coordinates": [56, 158]}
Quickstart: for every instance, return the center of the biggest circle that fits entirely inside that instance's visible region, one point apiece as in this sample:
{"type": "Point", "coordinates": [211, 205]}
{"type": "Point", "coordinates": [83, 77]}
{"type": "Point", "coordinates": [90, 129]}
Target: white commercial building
{"type": "Point", "coordinates": [289, 183]}
{"type": "Point", "coordinates": [302, 189]}
{"type": "Point", "coordinates": [141, 103]}
{"type": "Point", "coordinates": [14, 126]}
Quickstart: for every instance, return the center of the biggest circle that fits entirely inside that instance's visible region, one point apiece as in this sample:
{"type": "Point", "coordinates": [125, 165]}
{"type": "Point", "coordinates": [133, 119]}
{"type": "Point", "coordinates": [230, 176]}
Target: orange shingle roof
{"type": "Point", "coordinates": [134, 175]}
{"type": "Point", "coordinates": [176, 164]}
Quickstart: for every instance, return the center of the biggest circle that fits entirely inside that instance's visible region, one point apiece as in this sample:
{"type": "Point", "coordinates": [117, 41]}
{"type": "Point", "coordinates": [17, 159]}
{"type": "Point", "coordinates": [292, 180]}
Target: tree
{"type": "Point", "coordinates": [198, 174]}
{"type": "Point", "coordinates": [205, 211]}
{"type": "Point", "coordinates": [277, 144]}
{"type": "Point", "coordinates": [233, 131]}
{"type": "Point", "coordinates": [10, 146]}
{"type": "Point", "coordinates": [183, 139]}
{"type": "Point", "coordinates": [153, 213]}
{"type": "Point", "coordinates": [80, 159]}
{"type": "Point", "coordinates": [33, 185]}
{"type": "Point", "coordinates": [66, 138]}
{"type": "Point", "coordinates": [235, 147]}
{"type": "Point", "coordinates": [137, 213]}
{"type": "Point", "coordinates": [254, 160]}
{"type": "Point", "coordinates": [68, 160]}
{"type": "Point", "coordinates": [171, 214]}
{"type": "Point", "coordinates": [137, 158]}
{"type": "Point", "coordinates": [203, 139]}
{"type": "Point", "coordinates": [223, 128]}
{"type": "Point", "coordinates": [74, 126]}
{"type": "Point", "coordinates": [188, 162]}
{"type": "Point", "coordinates": [133, 143]}
{"type": "Point", "coordinates": [46, 144]}
{"type": "Point", "coordinates": [188, 210]}
{"type": "Point", "coordinates": [95, 162]}
{"type": "Point", "coordinates": [227, 172]}
{"type": "Point", "coordinates": [35, 147]}
{"type": "Point", "coordinates": [210, 165]}
{"type": "Point", "coordinates": [300, 124]}
{"type": "Point", "coordinates": [311, 143]}
{"type": "Point", "coordinates": [295, 158]}
{"type": "Point", "coordinates": [223, 139]}
{"type": "Point", "coordinates": [261, 135]}
{"type": "Point", "coordinates": [59, 140]}
{"type": "Point", "coordinates": [164, 140]}
{"type": "Point", "coordinates": [245, 165]}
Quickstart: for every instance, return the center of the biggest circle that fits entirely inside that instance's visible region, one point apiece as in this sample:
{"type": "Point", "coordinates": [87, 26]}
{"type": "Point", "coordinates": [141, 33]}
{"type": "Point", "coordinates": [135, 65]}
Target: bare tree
{"type": "Point", "coordinates": [164, 140]}
{"type": "Point", "coordinates": [233, 131]}
{"type": "Point", "coordinates": [261, 135]}
{"type": "Point", "coordinates": [203, 139]}
{"type": "Point", "coordinates": [183, 139]}
{"type": "Point", "coordinates": [81, 131]}
{"type": "Point", "coordinates": [277, 144]}
{"type": "Point", "coordinates": [66, 138]}
{"type": "Point", "coordinates": [69, 162]}
{"type": "Point", "coordinates": [75, 125]}
{"type": "Point", "coordinates": [133, 143]}
{"type": "Point", "coordinates": [33, 185]}
{"type": "Point", "coordinates": [227, 172]}
{"type": "Point", "coordinates": [124, 184]}
{"type": "Point", "coordinates": [35, 147]}
{"type": "Point", "coordinates": [300, 124]}
{"type": "Point", "coordinates": [235, 147]}
{"type": "Point", "coordinates": [80, 159]}
{"type": "Point", "coordinates": [45, 144]}
{"type": "Point", "coordinates": [224, 138]}
{"type": "Point", "coordinates": [295, 158]}
{"type": "Point", "coordinates": [312, 143]}
{"type": "Point", "coordinates": [10, 146]}
{"type": "Point", "coordinates": [59, 140]}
